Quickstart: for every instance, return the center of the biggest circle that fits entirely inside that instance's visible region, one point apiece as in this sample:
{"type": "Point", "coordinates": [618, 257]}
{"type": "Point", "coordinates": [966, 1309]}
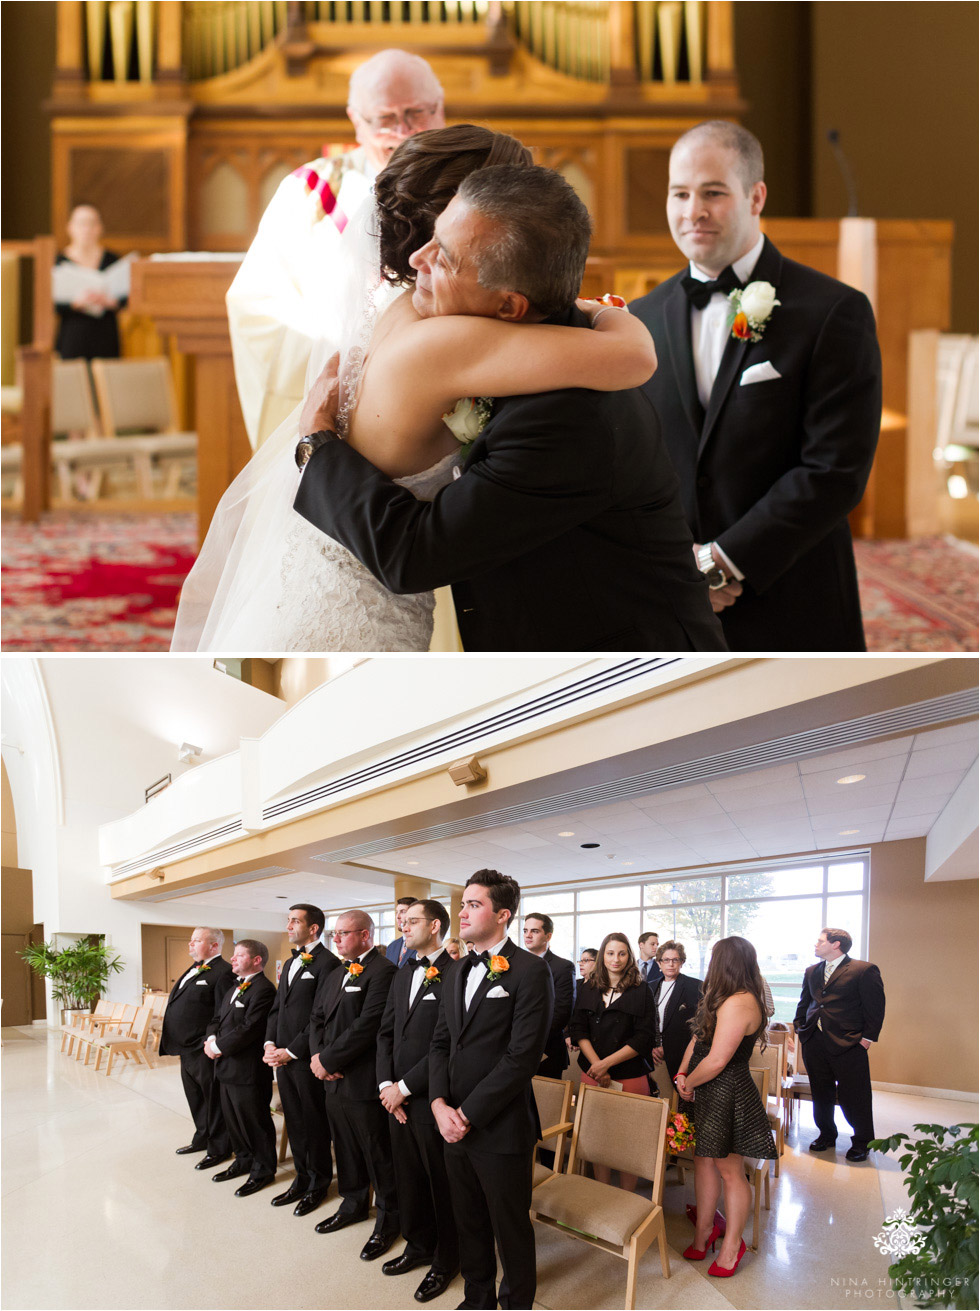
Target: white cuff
{"type": "Point", "coordinates": [730, 566]}
{"type": "Point", "coordinates": [403, 1088]}
{"type": "Point", "coordinates": [383, 1086]}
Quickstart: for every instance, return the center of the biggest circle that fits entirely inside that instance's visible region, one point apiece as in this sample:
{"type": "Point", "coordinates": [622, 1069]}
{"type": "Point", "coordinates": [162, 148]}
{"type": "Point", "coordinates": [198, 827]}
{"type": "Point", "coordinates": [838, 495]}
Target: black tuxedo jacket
{"type": "Point", "coordinates": [344, 1025]}
{"type": "Point", "coordinates": [405, 1036]}
{"type": "Point", "coordinates": [191, 1008]}
{"type": "Point", "coordinates": [238, 1029]}
{"type": "Point", "coordinates": [675, 1032]}
{"type": "Point", "coordinates": [483, 1059]}
{"type": "Point", "coordinates": [289, 1020]}
{"type": "Point", "coordinates": [563, 978]}
{"type": "Point", "coordinates": [773, 468]}
{"type": "Point", "coordinates": [565, 533]}
{"type": "Point", "coordinates": [850, 1008]}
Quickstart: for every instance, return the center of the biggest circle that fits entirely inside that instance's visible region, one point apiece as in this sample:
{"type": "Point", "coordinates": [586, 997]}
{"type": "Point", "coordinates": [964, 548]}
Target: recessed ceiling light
{"type": "Point", "coordinates": [846, 832]}
{"type": "Point", "coordinates": [411, 862]}
{"type": "Point", "coordinates": [567, 833]}
{"type": "Point", "coordinates": [626, 862]}
{"type": "Point", "coordinates": [852, 778]}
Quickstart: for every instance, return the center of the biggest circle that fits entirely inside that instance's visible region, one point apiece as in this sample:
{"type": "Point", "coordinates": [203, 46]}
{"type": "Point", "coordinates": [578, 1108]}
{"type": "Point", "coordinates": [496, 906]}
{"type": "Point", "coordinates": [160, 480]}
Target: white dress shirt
{"type": "Point", "coordinates": [475, 978]}
{"type": "Point", "coordinates": [665, 990]}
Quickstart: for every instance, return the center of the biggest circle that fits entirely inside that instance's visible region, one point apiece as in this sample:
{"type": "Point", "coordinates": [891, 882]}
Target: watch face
{"type": "Point", "coordinates": [715, 578]}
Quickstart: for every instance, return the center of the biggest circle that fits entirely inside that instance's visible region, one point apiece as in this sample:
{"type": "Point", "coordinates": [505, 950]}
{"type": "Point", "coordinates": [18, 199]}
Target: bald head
{"type": "Point", "coordinates": [353, 934]}
{"type": "Point", "coordinates": [393, 95]}
{"type": "Point", "coordinates": [746, 149]}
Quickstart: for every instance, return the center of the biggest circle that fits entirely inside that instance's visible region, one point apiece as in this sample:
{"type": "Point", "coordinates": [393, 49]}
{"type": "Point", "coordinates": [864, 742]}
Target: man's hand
{"type": "Point", "coordinates": [320, 407]}
{"type": "Point", "coordinates": [450, 1123]}
{"type": "Point", "coordinates": [317, 1067]}
{"type": "Point", "coordinates": [391, 1098]}
{"type": "Point", "coordinates": [721, 597]}
{"type": "Point", "coordinates": [865, 1043]}
{"type": "Point", "coordinates": [658, 1055]}
{"type": "Point", "coordinates": [276, 1056]}
{"type": "Point", "coordinates": [210, 1051]}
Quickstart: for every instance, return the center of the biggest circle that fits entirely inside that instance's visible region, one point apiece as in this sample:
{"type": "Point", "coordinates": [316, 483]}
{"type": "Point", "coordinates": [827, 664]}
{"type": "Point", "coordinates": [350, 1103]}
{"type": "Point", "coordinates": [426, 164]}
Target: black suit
{"type": "Point", "coordinates": [675, 1032]}
{"type": "Point", "coordinates": [299, 1089]}
{"type": "Point", "coordinates": [244, 1080]}
{"type": "Point", "coordinates": [849, 1008]}
{"type": "Point", "coordinates": [565, 534]}
{"type": "Point", "coordinates": [772, 469]}
{"type": "Point", "coordinates": [190, 1009]}
{"type": "Point", "coordinates": [650, 972]}
{"type": "Point", "coordinates": [483, 1060]}
{"type": "Point", "coordinates": [556, 1049]}
{"type": "Point", "coordinates": [418, 1149]}
{"type": "Point", "coordinates": [344, 1027]}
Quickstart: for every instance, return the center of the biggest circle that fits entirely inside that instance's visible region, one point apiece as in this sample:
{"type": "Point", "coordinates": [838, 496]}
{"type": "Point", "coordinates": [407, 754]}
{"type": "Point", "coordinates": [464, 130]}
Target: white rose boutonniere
{"type": "Point", "coordinates": [752, 307]}
{"type": "Point", "coordinates": [468, 419]}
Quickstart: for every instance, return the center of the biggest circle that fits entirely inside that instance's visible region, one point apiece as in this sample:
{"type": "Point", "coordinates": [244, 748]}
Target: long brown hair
{"type": "Point", "coordinates": [734, 967]}
{"type": "Point", "coordinates": [421, 179]}
{"type": "Point", "coordinates": [630, 977]}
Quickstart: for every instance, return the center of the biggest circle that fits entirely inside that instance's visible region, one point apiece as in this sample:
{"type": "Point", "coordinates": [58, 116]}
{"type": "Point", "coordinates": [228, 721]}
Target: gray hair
{"type": "Point", "coordinates": [744, 145]}
{"type": "Point", "coordinates": [371, 77]}
{"type": "Point", "coordinates": [216, 935]}
{"type": "Point", "coordinates": [542, 236]}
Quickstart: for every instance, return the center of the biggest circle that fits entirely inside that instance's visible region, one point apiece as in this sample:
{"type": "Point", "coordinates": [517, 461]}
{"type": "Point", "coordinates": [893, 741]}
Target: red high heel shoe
{"type": "Point", "coordinates": [720, 1272]}
{"type": "Point", "coordinates": [718, 1222]}
{"type": "Point", "coordinates": [693, 1253]}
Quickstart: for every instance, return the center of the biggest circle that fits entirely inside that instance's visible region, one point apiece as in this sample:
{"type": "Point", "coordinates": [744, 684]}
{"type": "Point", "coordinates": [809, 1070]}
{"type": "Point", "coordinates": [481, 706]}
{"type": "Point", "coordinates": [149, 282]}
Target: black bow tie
{"type": "Point", "coordinates": [479, 958]}
{"type": "Point", "coordinates": [699, 293]}
{"type": "Point", "coordinates": [420, 960]}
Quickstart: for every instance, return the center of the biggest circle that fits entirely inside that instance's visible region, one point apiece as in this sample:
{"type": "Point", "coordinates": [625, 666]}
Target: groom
{"type": "Point", "coordinates": [566, 531]}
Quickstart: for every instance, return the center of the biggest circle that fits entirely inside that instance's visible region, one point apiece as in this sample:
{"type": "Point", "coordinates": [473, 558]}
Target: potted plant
{"type": "Point", "coordinates": [78, 973]}
{"type": "Point", "coordinates": [936, 1240]}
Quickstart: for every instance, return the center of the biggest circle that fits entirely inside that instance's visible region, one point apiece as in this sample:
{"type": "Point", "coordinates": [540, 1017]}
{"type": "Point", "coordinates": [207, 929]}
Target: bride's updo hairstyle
{"type": "Point", "coordinates": [734, 967]}
{"type": "Point", "coordinates": [421, 179]}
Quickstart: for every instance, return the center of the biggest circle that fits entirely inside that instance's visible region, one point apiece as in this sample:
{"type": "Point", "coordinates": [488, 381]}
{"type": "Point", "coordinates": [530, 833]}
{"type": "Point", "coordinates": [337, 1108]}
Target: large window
{"type": "Point", "coordinates": [779, 908]}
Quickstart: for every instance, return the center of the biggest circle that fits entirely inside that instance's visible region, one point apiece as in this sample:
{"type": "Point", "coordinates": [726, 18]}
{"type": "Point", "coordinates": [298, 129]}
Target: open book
{"type": "Point", "coordinates": [70, 281]}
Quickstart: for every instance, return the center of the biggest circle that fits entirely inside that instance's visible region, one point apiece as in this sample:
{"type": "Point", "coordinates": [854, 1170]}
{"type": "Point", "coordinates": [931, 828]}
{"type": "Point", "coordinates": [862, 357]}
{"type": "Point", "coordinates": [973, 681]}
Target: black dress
{"type": "Point", "coordinates": [728, 1112]}
{"type": "Point", "coordinates": [82, 336]}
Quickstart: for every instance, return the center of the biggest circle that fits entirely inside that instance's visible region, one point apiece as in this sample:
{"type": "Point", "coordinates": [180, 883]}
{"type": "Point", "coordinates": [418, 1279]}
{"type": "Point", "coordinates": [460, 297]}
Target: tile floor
{"type": "Point", "coordinates": [98, 1212]}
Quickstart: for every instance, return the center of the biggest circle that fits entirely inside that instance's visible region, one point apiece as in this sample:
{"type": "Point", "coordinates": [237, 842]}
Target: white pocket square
{"type": "Point", "coordinates": [201, 983]}
{"type": "Point", "coordinates": [763, 372]}
{"type": "Point", "coordinates": [240, 1005]}
{"type": "Point", "coordinates": [429, 996]}
{"type": "Point", "coordinates": [306, 975]}
{"type": "Point", "coordinates": [348, 988]}
{"type": "Point", "coordinates": [498, 991]}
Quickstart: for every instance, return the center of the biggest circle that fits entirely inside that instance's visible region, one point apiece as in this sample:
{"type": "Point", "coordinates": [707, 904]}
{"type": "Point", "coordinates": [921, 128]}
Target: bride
{"type": "Point", "coordinates": [266, 580]}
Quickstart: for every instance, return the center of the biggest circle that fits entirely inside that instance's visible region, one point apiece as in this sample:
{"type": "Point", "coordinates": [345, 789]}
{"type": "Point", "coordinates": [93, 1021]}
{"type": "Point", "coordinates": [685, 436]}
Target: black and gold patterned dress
{"type": "Point", "coordinates": [728, 1112]}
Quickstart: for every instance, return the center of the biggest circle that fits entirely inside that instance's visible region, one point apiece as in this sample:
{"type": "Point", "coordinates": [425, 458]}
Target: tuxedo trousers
{"type": "Point", "coordinates": [204, 1101]}
{"type": "Point", "coordinates": [301, 1094]}
{"type": "Point", "coordinates": [247, 1113]}
{"type": "Point", "coordinates": [491, 1194]}
{"type": "Point", "coordinates": [839, 1076]}
{"type": "Point", "coordinates": [425, 1203]}
{"type": "Point", "coordinates": [363, 1148]}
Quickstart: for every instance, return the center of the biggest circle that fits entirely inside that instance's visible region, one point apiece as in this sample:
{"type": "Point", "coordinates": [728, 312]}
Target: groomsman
{"type": "Point", "coordinates": [192, 1003]}
{"type": "Point", "coordinates": [840, 1014]}
{"type": "Point", "coordinates": [496, 1014]}
{"type": "Point", "coordinates": [771, 415]}
{"type": "Point", "coordinates": [424, 1201]}
{"type": "Point", "coordinates": [234, 1044]}
{"type": "Point", "coordinates": [344, 1027]}
{"type": "Point", "coordinates": [537, 940]}
{"type": "Point", "coordinates": [287, 1051]}
{"type": "Point", "coordinates": [650, 971]}
{"type": "Point", "coordinates": [398, 951]}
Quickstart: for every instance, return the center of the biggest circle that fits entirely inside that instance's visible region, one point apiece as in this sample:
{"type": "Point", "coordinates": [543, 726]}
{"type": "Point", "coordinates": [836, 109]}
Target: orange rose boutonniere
{"type": "Point", "coordinates": [498, 965]}
{"type": "Point", "coordinates": [245, 984]}
{"type": "Point", "coordinates": [430, 976]}
{"type": "Point", "coordinates": [354, 969]}
{"type": "Point", "coordinates": [306, 957]}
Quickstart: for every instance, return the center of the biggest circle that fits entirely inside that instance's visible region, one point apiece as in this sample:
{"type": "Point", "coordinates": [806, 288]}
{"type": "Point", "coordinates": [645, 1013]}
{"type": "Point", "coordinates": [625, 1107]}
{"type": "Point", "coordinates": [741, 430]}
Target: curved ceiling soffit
{"type": "Point", "coordinates": [30, 740]}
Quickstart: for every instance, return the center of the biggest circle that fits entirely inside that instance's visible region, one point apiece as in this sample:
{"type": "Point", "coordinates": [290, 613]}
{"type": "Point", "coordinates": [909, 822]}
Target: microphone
{"type": "Point", "coordinates": [833, 137]}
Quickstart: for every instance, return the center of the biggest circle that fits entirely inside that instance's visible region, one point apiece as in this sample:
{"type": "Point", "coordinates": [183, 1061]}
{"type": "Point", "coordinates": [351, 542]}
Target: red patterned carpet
{"type": "Point", "coordinates": [110, 583]}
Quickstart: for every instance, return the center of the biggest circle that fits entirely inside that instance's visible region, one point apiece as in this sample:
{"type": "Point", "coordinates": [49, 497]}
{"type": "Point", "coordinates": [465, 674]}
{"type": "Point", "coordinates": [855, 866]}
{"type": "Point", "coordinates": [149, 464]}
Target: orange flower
{"type": "Point", "coordinates": [740, 327]}
{"type": "Point", "coordinates": [355, 968]}
{"type": "Point", "coordinates": [610, 298]}
{"type": "Point", "coordinates": [499, 964]}
{"type": "Point", "coordinates": [431, 973]}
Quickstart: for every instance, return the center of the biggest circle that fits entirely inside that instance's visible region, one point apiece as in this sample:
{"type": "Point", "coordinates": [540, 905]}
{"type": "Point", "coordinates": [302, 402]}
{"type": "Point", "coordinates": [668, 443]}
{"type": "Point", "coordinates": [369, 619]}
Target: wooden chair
{"type": "Point", "coordinates": [283, 1136]}
{"type": "Point", "coordinates": [796, 1086]}
{"type": "Point", "coordinates": [132, 1044]}
{"type": "Point", "coordinates": [624, 1131]}
{"type": "Point", "coordinates": [554, 1102]}
{"type": "Point", "coordinates": [119, 1020]}
{"type": "Point", "coordinates": [138, 395]}
{"type": "Point", "coordinates": [76, 1026]}
{"type": "Point", "coordinates": [773, 1059]}
{"type": "Point", "coordinates": [757, 1171]}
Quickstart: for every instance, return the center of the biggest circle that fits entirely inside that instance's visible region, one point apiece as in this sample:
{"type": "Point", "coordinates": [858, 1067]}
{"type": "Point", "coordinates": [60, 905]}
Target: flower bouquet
{"type": "Point", "coordinates": [680, 1134]}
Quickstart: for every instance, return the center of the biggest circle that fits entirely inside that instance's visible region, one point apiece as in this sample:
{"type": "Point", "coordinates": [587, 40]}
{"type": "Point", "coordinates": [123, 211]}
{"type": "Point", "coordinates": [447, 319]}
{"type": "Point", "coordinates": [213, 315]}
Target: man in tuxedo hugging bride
{"type": "Point", "coordinates": [562, 529]}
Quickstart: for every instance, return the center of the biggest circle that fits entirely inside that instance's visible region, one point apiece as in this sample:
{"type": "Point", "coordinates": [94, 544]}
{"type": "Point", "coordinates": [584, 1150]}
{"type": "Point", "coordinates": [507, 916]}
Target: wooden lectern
{"type": "Point", "coordinates": [186, 297]}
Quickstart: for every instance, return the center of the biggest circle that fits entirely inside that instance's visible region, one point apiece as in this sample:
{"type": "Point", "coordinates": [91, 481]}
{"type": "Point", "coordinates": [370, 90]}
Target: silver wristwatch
{"type": "Point", "coordinates": [713, 573]}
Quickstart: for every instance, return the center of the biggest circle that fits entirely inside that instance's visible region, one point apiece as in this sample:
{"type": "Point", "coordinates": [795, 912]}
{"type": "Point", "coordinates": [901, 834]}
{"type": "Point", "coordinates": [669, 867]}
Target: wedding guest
{"type": "Point", "coordinates": [538, 931]}
{"type": "Point", "coordinates": [648, 944]}
{"type": "Point", "coordinates": [730, 1121]}
{"type": "Point", "coordinates": [397, 951]}
{"type": "Point", "coordinates": [614, 1025]}
{"type": "Point", "coordinates": [455, 948]}
{"type": "Point", "coordinates": [676, 997]}
{"type": "Point", "coordinates": [789, 370]}
{"type": "Point", "coordinates": [88, 327]}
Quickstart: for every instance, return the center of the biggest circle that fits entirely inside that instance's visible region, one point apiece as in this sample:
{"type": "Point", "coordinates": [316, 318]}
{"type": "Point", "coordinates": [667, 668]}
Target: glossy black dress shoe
{"type": "Point", "coordinates": [376, 1246]}
{"type": "Point", "coordinates": [254, 1186]}
{"type": "Point", "coordinates": [434, 1283]}
{"type": "Point", "coordinates": [292, 1194]}
{"type": "Point", "coordinates": [402, 1264]}
{"type": "Point", "coordinates": [857, 1154]}
{"type": "Point", "coordinates": [234, 1171]}
{"type": "Point", "coordinates": [310, 1201]}
{"type": "Point", "coordinates": [189, 1150]}
{"type": "Point", "coordinates": [823, 1144]}
{"type": "Point", "coordinates": [339, 1220]}
{"type": "Point", "coordinates": [210, 1162]}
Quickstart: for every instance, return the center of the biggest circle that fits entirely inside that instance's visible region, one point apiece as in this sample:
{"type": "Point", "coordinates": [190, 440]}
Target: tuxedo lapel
{"type": "Point", "coordinates": [486, 983]}
{"type": "Point", "coordinates": [333, 1001]}
{"type": "Point", "coordinates": [677, 322]}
